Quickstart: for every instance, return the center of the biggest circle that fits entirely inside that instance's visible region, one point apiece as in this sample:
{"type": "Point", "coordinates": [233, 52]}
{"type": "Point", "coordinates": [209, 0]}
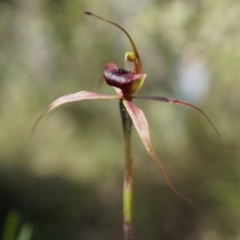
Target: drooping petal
{"type": "Point", "coordinates": [75, 97]}
{"type": "Point", "coordinates": [178, 102]}
{"type": "Point", "coordinates": [141, 125]}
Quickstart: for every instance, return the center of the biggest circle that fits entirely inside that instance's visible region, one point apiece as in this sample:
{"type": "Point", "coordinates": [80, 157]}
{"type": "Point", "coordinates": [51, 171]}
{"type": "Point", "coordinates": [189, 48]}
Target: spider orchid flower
{"type": "Point", "coordinates": [126, 83]}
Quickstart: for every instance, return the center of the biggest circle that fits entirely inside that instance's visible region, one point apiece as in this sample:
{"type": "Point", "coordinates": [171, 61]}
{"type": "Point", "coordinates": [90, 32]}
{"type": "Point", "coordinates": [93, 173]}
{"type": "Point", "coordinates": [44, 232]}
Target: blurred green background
{"type": "Point", "coordinates": [67, 181]}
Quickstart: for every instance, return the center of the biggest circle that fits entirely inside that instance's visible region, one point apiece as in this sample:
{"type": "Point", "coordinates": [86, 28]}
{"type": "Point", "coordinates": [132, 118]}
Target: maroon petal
{"type": "Point", "coordinates": [178, 102]}
{"type": "Point", "coordinates": [141, 125]}
{"type": "Point", "coordinates": [117, 77]}
{"type": "Point", "coordinates": [75, 97]}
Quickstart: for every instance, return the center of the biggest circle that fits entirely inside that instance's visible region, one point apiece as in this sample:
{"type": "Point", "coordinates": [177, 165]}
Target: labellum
{"type": "Point", "coordinates": [120, 78]}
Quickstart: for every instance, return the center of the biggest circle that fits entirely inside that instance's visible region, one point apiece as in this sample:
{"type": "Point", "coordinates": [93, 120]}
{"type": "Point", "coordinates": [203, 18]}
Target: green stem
{"type": "Point", "coordinates": [127, 186]}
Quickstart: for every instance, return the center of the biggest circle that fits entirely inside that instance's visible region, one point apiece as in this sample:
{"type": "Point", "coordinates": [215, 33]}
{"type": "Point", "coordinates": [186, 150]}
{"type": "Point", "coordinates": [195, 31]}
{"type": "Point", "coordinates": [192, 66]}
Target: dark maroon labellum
{"type": "Point", "coordinates": [118, 78]}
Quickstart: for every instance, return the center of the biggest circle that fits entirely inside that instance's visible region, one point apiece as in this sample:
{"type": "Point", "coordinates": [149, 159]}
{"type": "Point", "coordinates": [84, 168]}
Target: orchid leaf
{"type": "Point", "coordinates": [74, 97]}
{"type": "Point", "coordinates": [141, 125]}
{"type": "Point", "coordinates": [178, 102]}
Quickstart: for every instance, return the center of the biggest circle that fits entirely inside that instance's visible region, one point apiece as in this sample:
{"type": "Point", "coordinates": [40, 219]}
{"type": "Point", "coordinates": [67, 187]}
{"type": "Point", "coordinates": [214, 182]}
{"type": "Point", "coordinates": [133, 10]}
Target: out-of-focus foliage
{"type": "Point", "coordinates": [67, 180]}
{"type": "Point", "coordinates": [11, 225]}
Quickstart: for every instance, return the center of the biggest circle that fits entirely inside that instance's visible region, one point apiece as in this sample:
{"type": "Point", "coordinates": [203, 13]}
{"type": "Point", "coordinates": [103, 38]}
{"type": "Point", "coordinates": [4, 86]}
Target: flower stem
{"type": "Point", "coordinates": [127, 186]}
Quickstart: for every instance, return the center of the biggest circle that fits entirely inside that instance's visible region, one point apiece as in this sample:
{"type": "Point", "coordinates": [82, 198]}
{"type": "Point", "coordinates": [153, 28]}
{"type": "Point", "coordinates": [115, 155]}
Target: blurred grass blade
{"type": "Point", "coordinates": [141, 125]}
{"type": "Point", "coordinates": [26, 232]}
{"type": "Point", "coordinates": [74, 97]}
{"type": "Point", "coordinates": [10, 226]}
{"type": "Point", "coordinates": [178, 102]}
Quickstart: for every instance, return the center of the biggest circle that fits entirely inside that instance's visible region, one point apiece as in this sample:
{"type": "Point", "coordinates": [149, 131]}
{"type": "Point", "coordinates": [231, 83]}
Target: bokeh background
{"type": "Point", "coordinates": [66, 182]}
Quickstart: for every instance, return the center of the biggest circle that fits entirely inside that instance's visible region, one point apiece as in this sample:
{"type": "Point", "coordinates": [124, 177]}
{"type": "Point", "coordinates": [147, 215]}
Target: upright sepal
{"type": "Point", "coordinates": [137, 61]}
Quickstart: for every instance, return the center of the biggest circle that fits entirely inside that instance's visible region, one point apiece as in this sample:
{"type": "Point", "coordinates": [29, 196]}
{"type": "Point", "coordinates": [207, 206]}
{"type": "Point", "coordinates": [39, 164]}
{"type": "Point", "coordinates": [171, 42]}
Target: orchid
{"type": "Point", "coordinates": [126, 82]}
